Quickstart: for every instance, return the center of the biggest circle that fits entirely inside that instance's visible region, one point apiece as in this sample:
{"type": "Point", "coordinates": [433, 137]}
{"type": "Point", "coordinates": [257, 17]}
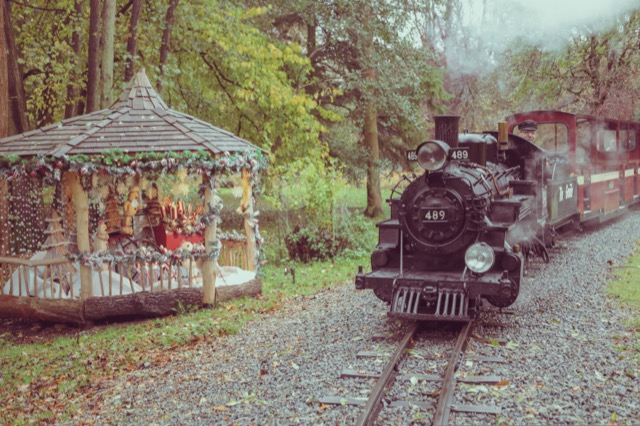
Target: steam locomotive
{"type": "Point", "coordinates": [464, 229]}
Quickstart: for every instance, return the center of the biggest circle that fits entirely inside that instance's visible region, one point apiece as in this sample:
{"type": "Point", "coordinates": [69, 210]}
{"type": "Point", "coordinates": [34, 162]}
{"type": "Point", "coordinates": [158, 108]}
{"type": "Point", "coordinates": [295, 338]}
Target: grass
{"type": "Point", "coordinates": [625, 288]}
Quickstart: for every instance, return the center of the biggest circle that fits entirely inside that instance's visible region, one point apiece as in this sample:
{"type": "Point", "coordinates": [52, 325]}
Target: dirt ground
{"type": "Point", "coordinates": [21, 331]}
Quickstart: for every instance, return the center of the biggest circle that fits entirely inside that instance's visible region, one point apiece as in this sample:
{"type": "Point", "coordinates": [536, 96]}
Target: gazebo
{"type": "Point", "coordinates": [112, 246]}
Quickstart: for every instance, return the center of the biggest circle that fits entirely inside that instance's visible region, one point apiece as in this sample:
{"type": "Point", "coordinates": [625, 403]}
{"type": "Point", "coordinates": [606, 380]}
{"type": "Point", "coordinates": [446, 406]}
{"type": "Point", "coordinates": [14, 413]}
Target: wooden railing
{"type": "Point", "coordinates": [48, 278]}
{"type": "Point", "coordinates": [233, 253]}
{"type": "Point", "coordinates": [59, 279]}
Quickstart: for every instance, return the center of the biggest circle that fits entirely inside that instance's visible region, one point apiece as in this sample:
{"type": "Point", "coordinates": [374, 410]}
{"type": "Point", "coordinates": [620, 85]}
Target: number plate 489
{"type": "Point", "coordinates": [434, 215]}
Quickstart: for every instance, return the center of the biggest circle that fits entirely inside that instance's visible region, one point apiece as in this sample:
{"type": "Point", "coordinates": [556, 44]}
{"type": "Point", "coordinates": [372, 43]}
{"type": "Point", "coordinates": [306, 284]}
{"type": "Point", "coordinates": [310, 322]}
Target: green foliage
{"type": "Point", "coordinates": [312, 244]}
{"type": "Point", "coordinates": [256, 90]}
{"type": "Point", "coordinates": [357, 232]}
{"type": "Point", "coordinates": [352, 236]}
{"type": "Point", "coordinates": [304, 187]}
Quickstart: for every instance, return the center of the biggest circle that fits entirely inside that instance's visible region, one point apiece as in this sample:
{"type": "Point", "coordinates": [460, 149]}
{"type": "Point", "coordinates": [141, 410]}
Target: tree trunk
{"type": "Point", "coordinates": [93, 58]}
{"type": "Point", "coordinates": [133, 39]}
{"type": "Point", "coordinates": [71, 104]}
{"type": "Point", "coordinates": [4, 82]}
{"type": "Point", "coordinates": [108, 34]}
{"type": "Point", "coordinates": [81, 207]}
{"type": "Point", "coordinates": [143, 304]}
{"type": "Point", "coordinates": [209, 269]}
{"type": "Point", "coordinates": [166, 39]}
{"type": "Point", "coordinates": [374, 196]}
{"type": "Point", "coordinates": [18, 107]}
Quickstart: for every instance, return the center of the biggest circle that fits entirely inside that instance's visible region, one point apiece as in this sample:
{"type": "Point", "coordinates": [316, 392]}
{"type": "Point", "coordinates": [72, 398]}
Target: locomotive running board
{"type": "Point", "coordinates": [446, 304]}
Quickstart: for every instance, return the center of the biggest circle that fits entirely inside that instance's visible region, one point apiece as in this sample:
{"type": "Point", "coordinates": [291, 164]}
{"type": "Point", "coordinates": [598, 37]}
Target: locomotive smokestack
{"type": "Point", "coordinates": [447, 129]}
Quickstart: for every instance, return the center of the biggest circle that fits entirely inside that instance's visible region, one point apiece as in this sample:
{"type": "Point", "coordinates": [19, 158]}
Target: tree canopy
{"type": "Point", "coordinates": [328, 88]}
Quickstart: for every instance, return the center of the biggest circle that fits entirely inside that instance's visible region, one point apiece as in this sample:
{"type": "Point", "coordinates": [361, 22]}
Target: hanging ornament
{"type": "Point", "coordinates": [181, 174]}
{"type": "Point", "coordinates": [122, 188]}
{"type": "Point", "coordinates": [144, 183]}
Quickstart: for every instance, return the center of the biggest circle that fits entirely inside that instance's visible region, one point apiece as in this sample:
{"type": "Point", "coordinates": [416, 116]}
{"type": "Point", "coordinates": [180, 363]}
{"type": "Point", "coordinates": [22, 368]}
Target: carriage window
{"type": "Point", "coordinates": [583, 142]}
{"type": "Point", "coordinates": [628, 143]}
{"type": "Point", "coordinates": [554, 137]}
{"type": "Point", "coordinates": [607, 140]}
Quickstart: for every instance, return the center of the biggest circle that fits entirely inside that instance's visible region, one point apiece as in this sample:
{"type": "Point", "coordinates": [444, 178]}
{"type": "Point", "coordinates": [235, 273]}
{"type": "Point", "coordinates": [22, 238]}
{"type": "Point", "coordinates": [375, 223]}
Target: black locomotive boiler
{"type": "Point", "coordinates": [457, 233]}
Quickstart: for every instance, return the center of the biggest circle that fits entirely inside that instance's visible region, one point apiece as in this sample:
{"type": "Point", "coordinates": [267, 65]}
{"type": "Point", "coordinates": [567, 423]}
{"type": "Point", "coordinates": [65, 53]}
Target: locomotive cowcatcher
{"type": "Point", "coordinates": [456, 233]}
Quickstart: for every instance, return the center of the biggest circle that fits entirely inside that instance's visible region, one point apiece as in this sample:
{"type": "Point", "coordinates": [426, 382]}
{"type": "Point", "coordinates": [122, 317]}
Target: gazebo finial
{"type": "Point", "coordinates": [139, 94]}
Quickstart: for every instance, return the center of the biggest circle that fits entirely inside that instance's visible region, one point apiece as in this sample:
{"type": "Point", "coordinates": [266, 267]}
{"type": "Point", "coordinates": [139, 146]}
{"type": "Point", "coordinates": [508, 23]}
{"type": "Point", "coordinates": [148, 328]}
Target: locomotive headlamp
{"type": "Point", "coordinates": [479, 257]}
{"type": "Point", "coordinates": [432, 155]}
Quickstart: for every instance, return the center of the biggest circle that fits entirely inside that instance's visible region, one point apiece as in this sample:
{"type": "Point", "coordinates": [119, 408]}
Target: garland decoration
{"type": "Point", "coordinates": [145, 254]}
{"type": "Point", "coordinates": [118, 163]}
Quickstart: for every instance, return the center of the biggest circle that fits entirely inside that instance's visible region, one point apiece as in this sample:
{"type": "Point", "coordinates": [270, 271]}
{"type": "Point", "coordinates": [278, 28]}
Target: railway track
{"type": "Point", "coordinates": [436, 403]}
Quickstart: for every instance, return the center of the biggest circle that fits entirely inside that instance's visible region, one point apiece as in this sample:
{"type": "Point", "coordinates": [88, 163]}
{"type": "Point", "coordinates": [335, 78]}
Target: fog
{"type": "Point", "coordinates": [491, 27]}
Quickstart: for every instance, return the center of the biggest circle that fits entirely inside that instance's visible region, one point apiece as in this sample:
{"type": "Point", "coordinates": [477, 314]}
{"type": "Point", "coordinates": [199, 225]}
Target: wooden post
{"type": "Point", "coordinates": [81, 204]}
{"type": "Point", "coordinates": [209, 269]}
{"type": "Point", "coordinates": [247, 210]}
{"type": "Point", "coordinates": [67, 210]}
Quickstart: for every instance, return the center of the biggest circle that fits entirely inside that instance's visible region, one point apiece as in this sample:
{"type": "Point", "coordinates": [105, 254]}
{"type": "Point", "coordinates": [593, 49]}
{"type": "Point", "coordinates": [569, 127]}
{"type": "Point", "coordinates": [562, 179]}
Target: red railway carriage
{"type": "Point", "coordinates": [602, 155]}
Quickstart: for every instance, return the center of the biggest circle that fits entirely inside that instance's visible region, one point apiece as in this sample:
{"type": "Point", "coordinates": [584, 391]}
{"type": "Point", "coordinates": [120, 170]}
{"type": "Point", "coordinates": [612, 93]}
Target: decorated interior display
{"type": "Point", "coordinates": [181, 219]}
{"type": "Point", "coordinates": [26, 215]}
{"type": "Point", "coordinates": [129, 210]}
{"type": "Point", "coordinates": [153, 209]}
{"type": "Point", "coordinates": [112, 215]}
{"type": "Point", "coordinates": [56, 246]}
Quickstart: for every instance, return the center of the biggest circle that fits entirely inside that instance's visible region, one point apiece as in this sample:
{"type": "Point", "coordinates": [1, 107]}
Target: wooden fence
{"type": "Point", "coordinates": [119, 288]}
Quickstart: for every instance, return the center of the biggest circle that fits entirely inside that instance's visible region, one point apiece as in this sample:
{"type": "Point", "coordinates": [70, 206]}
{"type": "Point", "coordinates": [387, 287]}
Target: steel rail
{"type": "Point", "coordinates": [441, 416]}
{"type": "Point", "coordinates": [372, 408]}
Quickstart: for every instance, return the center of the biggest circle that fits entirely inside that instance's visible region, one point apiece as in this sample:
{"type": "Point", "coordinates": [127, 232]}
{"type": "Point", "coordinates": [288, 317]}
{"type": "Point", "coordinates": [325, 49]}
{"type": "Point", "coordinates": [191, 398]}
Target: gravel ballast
{"type": "Point", "coordinates": [569, 360]}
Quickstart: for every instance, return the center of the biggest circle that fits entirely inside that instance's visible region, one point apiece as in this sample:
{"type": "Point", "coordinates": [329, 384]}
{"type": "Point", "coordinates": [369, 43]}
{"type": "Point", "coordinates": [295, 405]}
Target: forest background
{"type": "Point", "coordinates": [334, 90]}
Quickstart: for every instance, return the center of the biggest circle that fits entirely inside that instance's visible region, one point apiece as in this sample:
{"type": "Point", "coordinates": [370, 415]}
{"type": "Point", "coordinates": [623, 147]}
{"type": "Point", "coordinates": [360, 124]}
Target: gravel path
{"type": "Point", "coordinates": [569, 358]}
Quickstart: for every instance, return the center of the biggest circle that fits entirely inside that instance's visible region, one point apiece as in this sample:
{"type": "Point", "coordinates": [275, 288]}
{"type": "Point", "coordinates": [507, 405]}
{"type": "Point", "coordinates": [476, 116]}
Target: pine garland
{"type": "Point", "coordinates": [146, 254]}
{"type": "Point", "coordinates": [117, 163]}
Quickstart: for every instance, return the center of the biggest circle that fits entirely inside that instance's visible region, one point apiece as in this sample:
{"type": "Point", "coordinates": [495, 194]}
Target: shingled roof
{"type": "Point", "coordinates": [139, 121]}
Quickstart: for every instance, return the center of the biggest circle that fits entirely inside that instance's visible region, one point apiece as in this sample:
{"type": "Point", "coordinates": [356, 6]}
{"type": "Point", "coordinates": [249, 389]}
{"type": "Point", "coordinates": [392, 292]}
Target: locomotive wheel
{"type": "Point", "coordinates": [503, 302]}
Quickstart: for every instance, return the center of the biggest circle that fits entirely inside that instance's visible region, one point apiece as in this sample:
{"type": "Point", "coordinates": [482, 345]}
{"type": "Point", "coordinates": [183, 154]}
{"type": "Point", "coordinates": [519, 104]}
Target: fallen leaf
{"type": "Point", "coordinates": [511, 345]}
{"type": "Point", "coordinates": [219, 408]}
{"type": "Point", "coordinates": [503, 382]}
{"type": "Point", "coordinates": [323, 407]}
{"type": "Point", "coordinates": [478, 389]}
